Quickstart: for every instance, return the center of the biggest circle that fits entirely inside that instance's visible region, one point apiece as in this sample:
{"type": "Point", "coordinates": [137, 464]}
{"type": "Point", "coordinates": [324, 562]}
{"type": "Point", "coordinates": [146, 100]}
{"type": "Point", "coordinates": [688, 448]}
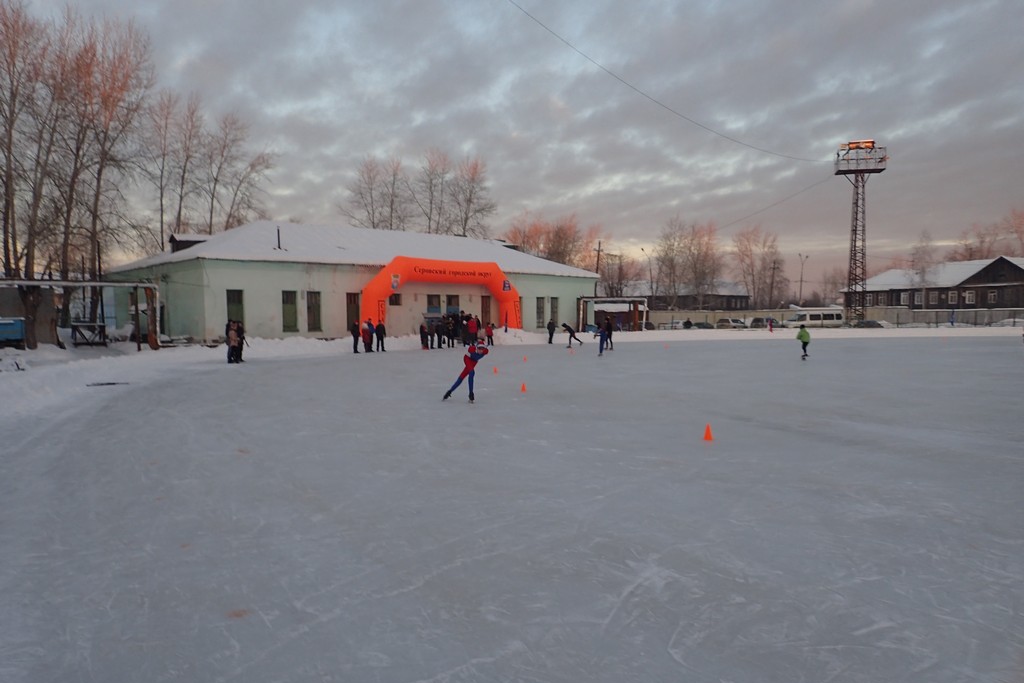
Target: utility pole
{"type": "Point", "coordinates": [800, 295]}
{"type": "Point", "coordinates": [598, 268]}
{"type": "Point", "coordinates": [650, 268]}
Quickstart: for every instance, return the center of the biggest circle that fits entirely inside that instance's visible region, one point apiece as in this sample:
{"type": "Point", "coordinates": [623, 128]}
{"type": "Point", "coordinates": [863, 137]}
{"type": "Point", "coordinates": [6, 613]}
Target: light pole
{"type": "Point", "coordinates": [800, 295]}
{"type": "Point", "coordinates": [650, 268]}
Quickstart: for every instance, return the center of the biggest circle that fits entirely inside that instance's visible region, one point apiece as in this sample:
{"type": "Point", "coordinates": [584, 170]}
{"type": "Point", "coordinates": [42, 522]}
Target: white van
{"type": "Point", "coordinates": [816, 317]}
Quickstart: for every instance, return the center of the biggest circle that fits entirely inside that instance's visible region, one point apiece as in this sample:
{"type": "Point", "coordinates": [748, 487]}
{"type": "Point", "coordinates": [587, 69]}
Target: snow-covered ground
{"type": "Point", "coordinates": [313, 515]}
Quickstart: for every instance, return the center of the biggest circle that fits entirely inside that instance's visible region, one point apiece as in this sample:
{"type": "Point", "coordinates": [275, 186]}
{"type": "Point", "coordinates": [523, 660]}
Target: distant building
{"type": "Point", "coordinates": [726, 296]}
{"type": "Point", "coordinates": [286, 280]}
{"type": "Point", "coordinates": [957, 285]}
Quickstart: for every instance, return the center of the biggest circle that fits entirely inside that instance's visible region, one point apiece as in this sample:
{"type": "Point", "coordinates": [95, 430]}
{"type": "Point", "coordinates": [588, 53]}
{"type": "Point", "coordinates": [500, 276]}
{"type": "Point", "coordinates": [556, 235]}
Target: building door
{"type": "Point", "coordinates": [351, 308]}
{"type": "Point", "coordinates": [236, 309]}
{"type": "Point", "coordinates": [485, 310]}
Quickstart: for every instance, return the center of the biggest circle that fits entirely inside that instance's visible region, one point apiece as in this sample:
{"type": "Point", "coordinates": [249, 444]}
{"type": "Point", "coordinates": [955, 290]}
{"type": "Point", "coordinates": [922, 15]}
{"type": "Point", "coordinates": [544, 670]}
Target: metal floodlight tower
{"type": "Point", "coordinates": [858, 158]}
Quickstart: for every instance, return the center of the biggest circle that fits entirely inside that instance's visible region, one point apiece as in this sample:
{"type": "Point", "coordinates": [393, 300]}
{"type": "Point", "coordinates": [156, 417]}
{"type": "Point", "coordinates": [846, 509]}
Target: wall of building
{"type": "Point", "coordinates": [194, 296]}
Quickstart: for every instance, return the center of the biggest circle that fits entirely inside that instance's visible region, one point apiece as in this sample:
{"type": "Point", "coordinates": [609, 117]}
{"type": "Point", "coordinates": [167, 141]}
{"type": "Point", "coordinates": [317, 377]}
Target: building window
{"type": "Point", "coordinates": [433, 303]}
{"type": "Point", "coordinates": [933, 298]}
{"type": "Point", "coordinates": [452, 304]}
{"type": "Point", "coordinates": [969, 297]}
{"type": "Point", "coordinates": [554, 308]}
{"type": "Point", "coordinates": [904, 298]}
{"type": "Point", "coordinates": [881, 298]}
{"type": "Point", "coordinates": [395, 299]}
{"type": "Point", "coordinates": [869, 299]}
{"type": "Point", "coordinates": [313, 323]}
{"type": "Point", "coordinates": [917, 298]}
{"type": "Point", "coordinates": [993, 296]}
{"type": "Point", "coordinates": [236, 311]}
{"type": "Point", "coordinates": [540, 311]}
{"type": "Point", "coordinates": [952, 297]}
{"type": "Point", "coordinates": [289, 312]}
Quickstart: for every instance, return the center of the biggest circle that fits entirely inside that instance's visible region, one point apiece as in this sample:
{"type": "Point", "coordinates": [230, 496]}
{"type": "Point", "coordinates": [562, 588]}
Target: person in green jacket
{"type": "Point", "coordinates": [804, 336]}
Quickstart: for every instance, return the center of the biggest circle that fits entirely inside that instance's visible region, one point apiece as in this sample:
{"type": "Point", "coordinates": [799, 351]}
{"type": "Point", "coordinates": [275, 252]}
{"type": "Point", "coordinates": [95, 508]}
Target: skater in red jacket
{"type": "Point", "coordinates": [473, 355]}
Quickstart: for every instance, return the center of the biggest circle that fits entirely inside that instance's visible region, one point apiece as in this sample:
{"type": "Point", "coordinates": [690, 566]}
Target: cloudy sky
{"type": "Point", "coordinates": [625, 113]}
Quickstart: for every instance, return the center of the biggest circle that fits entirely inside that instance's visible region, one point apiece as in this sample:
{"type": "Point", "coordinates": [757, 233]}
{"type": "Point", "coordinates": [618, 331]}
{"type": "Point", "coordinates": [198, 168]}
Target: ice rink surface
{"type": "Point", "coordinates": [321, 516]}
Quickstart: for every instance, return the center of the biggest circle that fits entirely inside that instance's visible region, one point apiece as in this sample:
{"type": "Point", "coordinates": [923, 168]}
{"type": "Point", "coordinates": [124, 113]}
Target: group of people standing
{"type": "Point", "coordinates": [604, 332]}
{"type": "Point", "coordinates": [464, 326]}
{"type": "Point", "coordinates": [234, 336]}
{"type": "Point", "coordinates": [367, 332]}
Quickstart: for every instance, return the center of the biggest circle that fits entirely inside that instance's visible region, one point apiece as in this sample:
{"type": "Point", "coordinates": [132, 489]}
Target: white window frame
{"type": "Point", "coordinates": [969, 297]}
{"type": "Point", "coordinates": [951, 297]}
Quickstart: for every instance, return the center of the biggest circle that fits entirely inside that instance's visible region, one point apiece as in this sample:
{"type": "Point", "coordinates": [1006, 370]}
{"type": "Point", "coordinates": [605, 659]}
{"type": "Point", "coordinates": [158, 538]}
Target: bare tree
{"type": "Point", "coordinates": [618, 272]}
{"type": "Point", "coordinates": [977, 242]}
{"type": "Point", "coordinates": [157, 142]}
{"type": "Point", "coordinates": [527, 233]}
{"type": "Point", "coordinates": [379, 197]}
{"type": "Point", "coordinates": [428, 191]}
{"type": "Point", "coordinates": [471, 204]}
{"type": "Point", "coordinates": [833, 283]}
{"type": "Point", "coordinates": [1013, 224]}
{"type": "Point", "coordinates": [242, 189]}
{"type": "Point", "coordinates": [365, 206]}
{"type": "Point", "coordinates": [922, 258]}
{"type": "Point", "coordinates": [668, 253]}
{"type": "Point", "coordinates": [26, 116]}
{"type": "Point", "coordinates": [561, 241]}
{"type": "Point", "coordinates": [122, 81]}
{"type": "Point", "coordinates": [222, 151]}
{"type": "Point", "coordinates": [702, 262]}
{"type": "Point", "coordinates": [759, 266]}
{"type": "Point", "coordinates": [397, 203]}
{"type": "Point", "coordinates": [188, 135]}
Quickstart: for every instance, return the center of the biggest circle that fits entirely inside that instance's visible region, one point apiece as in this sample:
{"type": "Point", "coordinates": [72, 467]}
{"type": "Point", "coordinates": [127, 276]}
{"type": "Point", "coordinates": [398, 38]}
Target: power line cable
{"type": "Point", "coordinates": [654, 99]}
{"type": "Point", "coordinates": [781, 201]}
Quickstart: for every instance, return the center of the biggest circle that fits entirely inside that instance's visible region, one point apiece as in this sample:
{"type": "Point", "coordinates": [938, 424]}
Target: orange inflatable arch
{"type": "Point", "coordinates": [402, 269]}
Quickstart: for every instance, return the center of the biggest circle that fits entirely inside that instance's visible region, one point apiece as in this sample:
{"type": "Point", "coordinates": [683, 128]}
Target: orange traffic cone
{"type": "Point", "coordinates": [707, 433]}
{"type": "Point", "coordinates": [523, 388]}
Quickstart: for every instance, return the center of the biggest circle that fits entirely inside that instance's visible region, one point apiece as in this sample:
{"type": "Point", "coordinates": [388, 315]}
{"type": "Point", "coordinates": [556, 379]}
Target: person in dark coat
{"type": "Point", "coordinates": [425, 337]}
{"type": "Point", "coordinates": [551, 330]}
{"type": "Point", "coordinates": [355, 336]}
{"type": "Point", "coordinates": [367, 330]}
{"type": "Point", "coordinates": [572, 335]}
{"type": "Point", "coordinates": [608, 331]}
{"type": "Point", "coordinates": [439, 334]}
{"type": "Point", "coordinates": [380, 332]}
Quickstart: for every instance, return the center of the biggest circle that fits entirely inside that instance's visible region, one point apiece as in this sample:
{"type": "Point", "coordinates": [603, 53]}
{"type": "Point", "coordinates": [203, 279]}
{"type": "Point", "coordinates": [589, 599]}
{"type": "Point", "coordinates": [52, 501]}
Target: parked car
{"type": "Point", "coordinates": [763, 322]}
{"type": "Point", "coordinates": [867, 323]}
{"type": "Point", "coordinates": [703, 326]}
{"type": "Point", "coordinates": [730, 324]}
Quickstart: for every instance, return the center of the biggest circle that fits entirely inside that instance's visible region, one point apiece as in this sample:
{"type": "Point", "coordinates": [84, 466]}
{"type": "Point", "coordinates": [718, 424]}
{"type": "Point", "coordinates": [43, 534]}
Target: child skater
{"type": "Point", "coordinates": [804, 337]}
{"type": "Point", "coordinates": [473, 355]}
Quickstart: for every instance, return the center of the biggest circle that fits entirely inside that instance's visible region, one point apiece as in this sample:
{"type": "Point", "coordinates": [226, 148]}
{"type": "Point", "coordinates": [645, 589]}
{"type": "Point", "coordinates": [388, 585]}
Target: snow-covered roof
{"type": "Point", "coordinates": [948, 274]}
{"type": "Point", "coordinates": [343, 245]}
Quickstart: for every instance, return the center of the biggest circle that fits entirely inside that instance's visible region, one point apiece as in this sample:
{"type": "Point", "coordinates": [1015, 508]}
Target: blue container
{"type": "Point", "coordinates": [12, 329]}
